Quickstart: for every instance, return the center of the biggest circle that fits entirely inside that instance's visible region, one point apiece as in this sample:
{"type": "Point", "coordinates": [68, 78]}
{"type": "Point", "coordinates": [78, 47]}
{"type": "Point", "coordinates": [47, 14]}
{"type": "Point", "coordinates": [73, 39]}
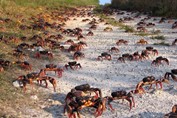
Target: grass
{"type": "Point", "coordinates": [9, 95]}
{"type": "Point", "coordinates": [159, 37]}
{"type": "Point", "coordinates": [115, 23]}
{"type": "Point", "coordinates": [109, 20]}
{"type": "Point", "coordinates": [12, 100]}
{"type": "Point", "coordinates": [50, 3]}
{"type": "Point", "coordinates": [127, 28]}
{"type": "Point", "coordinates": [5, 85]}
{"type": "Point", "coordinates": [148, 34]}
{"type": "Point", "coordinates": [162, 44]}
{"type": "Point", "coordinates": [19, 11]}
{"type": "Point", "coordinates": [142, 34]}
{"type": "Point", "coordinates": [99, 11]}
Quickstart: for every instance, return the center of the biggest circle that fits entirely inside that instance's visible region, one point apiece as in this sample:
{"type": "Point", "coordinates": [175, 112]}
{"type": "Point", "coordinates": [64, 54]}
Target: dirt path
{"type": "Point", "coordinates": [112, 75]}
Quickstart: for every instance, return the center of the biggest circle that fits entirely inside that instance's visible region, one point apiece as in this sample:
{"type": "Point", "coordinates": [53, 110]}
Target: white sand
{"type": "Point", "coordinates": [112, 75]}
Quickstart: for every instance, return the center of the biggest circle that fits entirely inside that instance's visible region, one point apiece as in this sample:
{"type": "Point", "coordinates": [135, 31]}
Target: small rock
{"type": "Point", "coordinates": [42, 106]}
{"type": "Point", "coordinates": [157, 92]}
{"type": "Point", "coordinates": [55, 102]}
{"type": "Point", "coordinates": [17, 84]}
{"type": "Point", "coordinates": [34, 97]}
{"type": "Point", "coordinates": [49, 100]}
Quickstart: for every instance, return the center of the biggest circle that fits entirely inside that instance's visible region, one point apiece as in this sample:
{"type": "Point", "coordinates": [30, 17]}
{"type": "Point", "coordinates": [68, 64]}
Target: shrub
{"type": "Point", "coordinates": [154, 7]}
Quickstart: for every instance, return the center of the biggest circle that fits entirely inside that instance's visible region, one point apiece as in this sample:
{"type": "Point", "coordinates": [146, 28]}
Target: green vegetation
{"type": "Point", "coordinates": [113, 22]}
{"type": "Point", "coordinates": [154, 7]}
{"type": "Point", "coordinates": [162, 44]}
{"type": "Point", "coordinates": [19, 11]}
{"type": "Point", "coordinates": [159, 37]}
{"type": "Point", "coordinates": [154, 33]}
{"type": "Point", "coordinates": [142, 34]}
{"type": "Point", "coordinates": [127, 28]}
{"type": "Point", "coordinates": [109, 20]}
{"type": "Point", "coordinates": [49, 3]}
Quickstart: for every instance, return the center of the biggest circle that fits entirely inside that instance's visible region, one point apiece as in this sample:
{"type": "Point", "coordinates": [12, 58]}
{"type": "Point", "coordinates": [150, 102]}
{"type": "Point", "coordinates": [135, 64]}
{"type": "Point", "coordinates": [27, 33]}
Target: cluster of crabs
{"type": "Point", "coordinates": [136, 56]}
{"type": "Point", "coordinates": [43, 46]}
{"type": "Point", "coordinates": [42, 75]}
{"type": "Point", "coordinates": [83, 96]}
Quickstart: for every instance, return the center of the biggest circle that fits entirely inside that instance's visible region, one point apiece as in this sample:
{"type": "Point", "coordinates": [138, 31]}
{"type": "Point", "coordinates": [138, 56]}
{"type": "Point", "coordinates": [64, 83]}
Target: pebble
{"type": "Point", "coordinates": [34, 97]}
{"type": "Point", "coordinates": [17, 84]}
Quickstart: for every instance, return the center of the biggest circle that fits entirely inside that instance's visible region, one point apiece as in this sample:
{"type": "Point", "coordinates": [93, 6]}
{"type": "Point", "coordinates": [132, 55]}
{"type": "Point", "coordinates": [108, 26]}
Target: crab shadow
{"type": "Point", "coordinates": [171, 89]}
{"type": "Point", "coordinates": [56, 108]}
{"type": "Point", "coordinates": [147, 115]}
{"type": "Point", "coordinates": [122, 88]}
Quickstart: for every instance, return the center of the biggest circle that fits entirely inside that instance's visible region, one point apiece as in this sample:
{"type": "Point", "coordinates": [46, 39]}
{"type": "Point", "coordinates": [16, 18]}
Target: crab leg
{"type": "Point", "coordinates": [129, 100]}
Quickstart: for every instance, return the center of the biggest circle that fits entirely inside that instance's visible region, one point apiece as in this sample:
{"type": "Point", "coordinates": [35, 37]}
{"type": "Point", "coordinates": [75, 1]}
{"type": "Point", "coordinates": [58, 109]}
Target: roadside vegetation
{"type": "Point", "coordinates": [159, 37]}
{"type": "Point", "coordinates": [166, 8]}
{"type": "Point", "coordinates": [99, 11]}
{"type": "Point", "coordinates": [162, 44]}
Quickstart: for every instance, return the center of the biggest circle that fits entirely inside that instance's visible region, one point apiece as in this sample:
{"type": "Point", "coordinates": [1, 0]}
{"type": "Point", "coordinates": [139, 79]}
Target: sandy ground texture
{"type": "Point", "coordinates": [112, 75]}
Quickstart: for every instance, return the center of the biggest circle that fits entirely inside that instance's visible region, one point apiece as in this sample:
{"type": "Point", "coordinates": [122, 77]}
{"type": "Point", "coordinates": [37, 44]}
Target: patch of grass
{"type": "Point", "coordinates": [8, 34]}
{"type": "Point", "coordinates": [162, 44]}
{"type": "Point", "coordinates": [7, 90]}
{"type": "Point", "coordinates": [99, 11]}
{"type": "Point", "coordinates": [19, 12]}
{"type": "Point", "coordinates": [127, 28]}
{"type": "Point", "coordinates": [52, 3]}
{"type": "Point", "coordinates": [115, 23]}
{"type": "Point", "coordinates": [142, 34]}
{"type": "Point", "coordinates": [13, 100]}
{"type": "Point", "coordinates": [147, 34]}
{"type": "Point", "coordinates": [159, 37]}
{"type": "Point", "coordinates": [109, 20]}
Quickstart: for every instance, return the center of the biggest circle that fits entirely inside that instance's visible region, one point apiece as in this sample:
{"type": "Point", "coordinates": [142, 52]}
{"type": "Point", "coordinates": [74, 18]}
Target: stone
{"type": "Point", "coordinates": [17, 84]}
{"type": "Point", "coordinates": [34, 97]}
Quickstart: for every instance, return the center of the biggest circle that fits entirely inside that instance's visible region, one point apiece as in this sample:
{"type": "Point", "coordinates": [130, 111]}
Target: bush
{"type": "Point", "coordinates": [155, 7]}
